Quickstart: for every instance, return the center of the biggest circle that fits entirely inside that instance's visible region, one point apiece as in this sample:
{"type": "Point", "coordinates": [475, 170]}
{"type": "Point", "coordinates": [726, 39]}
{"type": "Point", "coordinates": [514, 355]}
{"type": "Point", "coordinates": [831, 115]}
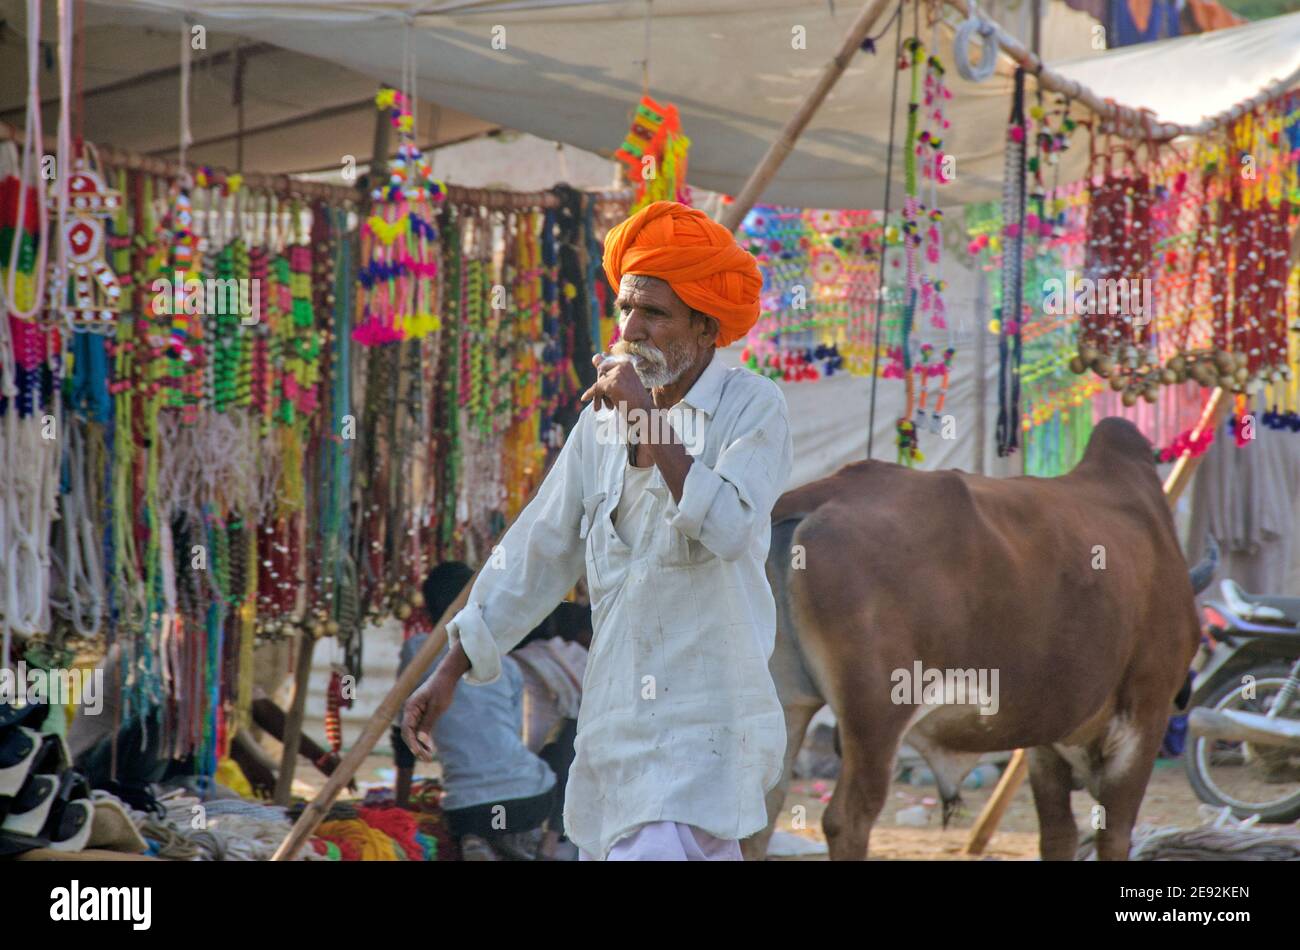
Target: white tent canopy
{"type": "Point", "coordinates": [570, 72]}
{"type": "Point", "coordinates": [1191, 78]}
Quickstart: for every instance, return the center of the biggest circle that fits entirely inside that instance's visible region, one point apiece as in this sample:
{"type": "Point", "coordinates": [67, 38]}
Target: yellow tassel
{"type": "Point", "coordinates": [388, 233]}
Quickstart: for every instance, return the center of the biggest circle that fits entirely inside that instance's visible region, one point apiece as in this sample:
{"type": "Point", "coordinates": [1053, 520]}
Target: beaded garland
{"type": "Point", "coordinates": [1207, 232]}
{"type": "Point", "coordinates": [1178, 223]}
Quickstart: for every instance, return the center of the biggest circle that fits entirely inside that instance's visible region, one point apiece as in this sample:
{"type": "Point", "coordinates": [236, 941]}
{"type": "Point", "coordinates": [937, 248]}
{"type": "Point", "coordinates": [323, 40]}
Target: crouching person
{"type": "Point", "coordinates": [497, 794]}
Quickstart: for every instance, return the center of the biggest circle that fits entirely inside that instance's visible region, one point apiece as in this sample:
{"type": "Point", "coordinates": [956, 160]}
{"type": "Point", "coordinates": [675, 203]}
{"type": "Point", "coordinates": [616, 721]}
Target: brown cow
{"type": "Point", "coordinates": [1070, 595]}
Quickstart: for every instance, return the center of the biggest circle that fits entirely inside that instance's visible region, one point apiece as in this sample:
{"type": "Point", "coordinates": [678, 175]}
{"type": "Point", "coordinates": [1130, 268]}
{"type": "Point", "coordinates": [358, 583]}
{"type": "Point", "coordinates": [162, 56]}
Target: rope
{"type": "Point", "coordinates": [59, 294]}
{"type": "Point", "coordinates": [235, 829]}
{"type": "Point", "coordinates": [884, 232]}
{"type": "Point", "coordinates": [186, 135]}
{"type": "Point", "coordinates": [33, 136]}
{"type": "Point", "coordinates": [1223, 839]}
{"type": "Point", "coordinates": [29, 465]}
{"type": "Point", "coordinates": [988, 48]}
{"type": "Point", "coordinates": [81, 570]}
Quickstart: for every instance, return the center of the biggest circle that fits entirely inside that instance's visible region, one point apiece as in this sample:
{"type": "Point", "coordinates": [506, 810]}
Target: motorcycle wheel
{"type": "Point", "coordinates": [1197, 757]}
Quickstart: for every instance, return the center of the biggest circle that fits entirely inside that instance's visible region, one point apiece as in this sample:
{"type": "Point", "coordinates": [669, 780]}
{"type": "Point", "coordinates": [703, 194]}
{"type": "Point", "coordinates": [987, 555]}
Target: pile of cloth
{"type": "Point", "coordinates": [180, 826]}
{"type": "Point", "coordinates": [375, 829]}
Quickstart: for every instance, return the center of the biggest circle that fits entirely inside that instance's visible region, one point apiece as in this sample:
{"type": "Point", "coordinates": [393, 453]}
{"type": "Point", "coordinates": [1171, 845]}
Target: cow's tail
{"type": "Point", "coordinates": [778, 560]}
{"type": "Point", "coordinates": [1203, 573]}
{"type": "Point", "coordinates": [779, 567]}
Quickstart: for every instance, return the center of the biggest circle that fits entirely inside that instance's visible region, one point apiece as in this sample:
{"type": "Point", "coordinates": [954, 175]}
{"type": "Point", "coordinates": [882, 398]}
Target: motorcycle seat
{"type": "Point", "coordinates": [1284, 611]}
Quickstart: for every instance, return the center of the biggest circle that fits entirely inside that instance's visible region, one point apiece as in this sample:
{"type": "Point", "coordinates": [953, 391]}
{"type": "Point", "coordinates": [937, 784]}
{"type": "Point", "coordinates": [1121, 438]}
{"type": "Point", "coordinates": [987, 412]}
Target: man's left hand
{"type": "Point", "coordinates": [617, 384]}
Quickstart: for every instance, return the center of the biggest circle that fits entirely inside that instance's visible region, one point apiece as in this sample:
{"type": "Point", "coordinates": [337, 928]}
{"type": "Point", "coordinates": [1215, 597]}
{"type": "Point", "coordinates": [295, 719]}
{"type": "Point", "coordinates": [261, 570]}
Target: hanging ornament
{"type": "Point", "coordinates": [654, 153]}
{"type": "Point", "coordinates": [89, 296]}
{"type": "Point", "coordinates": [400, 240]}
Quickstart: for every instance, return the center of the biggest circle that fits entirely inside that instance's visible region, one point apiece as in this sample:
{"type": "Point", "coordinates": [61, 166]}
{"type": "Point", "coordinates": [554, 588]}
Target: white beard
{"type": "Point", "coordinates": [655, 377]}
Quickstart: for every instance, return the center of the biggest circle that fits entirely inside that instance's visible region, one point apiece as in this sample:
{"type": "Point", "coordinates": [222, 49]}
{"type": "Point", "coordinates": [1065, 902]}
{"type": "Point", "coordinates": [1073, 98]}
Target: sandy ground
{"type": "Point", "coordinates": [1169, 801]}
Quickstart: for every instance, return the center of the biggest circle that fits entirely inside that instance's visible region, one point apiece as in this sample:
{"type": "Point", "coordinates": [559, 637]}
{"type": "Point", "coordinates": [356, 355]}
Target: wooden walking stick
{"type": "Point", "coordinates": [319, 806]}
{"type": "Point", "coordinates": [1216, 408]}
{"type": "Point", "coordinates": [777, 152]}
{"type": "Point", "coordinates": [316, 810]}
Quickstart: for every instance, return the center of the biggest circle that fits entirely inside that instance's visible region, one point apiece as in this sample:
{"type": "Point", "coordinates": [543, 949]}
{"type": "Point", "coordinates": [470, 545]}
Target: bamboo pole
{"type": "Point", "coordinates": [1128, 122]}
{"type": "Point", "coordinates": [998, 802]}
{"type": "Point", "coordinates": [1216, 408]}
{"type": "Point", "coordinates": [293, 722]}
{"type": "Point", "coordinates": [777, 152]}
{"type": "Point", "coordinates": [288, 185]}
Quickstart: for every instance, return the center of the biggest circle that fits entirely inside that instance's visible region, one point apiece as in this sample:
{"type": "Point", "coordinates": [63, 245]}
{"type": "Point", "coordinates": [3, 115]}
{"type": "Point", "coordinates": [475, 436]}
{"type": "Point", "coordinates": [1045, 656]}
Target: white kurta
{"type": "Point", "coordinates": [680, 719]}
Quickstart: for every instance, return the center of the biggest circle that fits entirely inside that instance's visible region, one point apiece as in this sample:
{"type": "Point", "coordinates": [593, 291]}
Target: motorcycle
{"type": "Point", "coordinates": [1243, 748]}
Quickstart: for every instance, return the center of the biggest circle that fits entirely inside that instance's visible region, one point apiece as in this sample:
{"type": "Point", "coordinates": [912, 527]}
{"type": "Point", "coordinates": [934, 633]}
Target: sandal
{"type": "Point", "coordinates": [72, 816]}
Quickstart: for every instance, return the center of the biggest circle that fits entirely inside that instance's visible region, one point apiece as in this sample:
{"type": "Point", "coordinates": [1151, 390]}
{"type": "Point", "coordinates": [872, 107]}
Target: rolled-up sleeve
{"type": "Point", "coordinates": [535, 564]}
{"type": "Point", "coordinates": [723, 507]}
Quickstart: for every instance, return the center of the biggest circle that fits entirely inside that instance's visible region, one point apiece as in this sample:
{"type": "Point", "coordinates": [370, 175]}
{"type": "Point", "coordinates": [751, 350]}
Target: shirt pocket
{"type": "Point", "coordinates": [677, 550]}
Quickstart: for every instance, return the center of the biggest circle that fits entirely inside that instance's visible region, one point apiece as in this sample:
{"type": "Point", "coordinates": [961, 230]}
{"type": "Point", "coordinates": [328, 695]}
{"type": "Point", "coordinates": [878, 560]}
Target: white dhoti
{"type": "Point", "coordinates": [670, 841]}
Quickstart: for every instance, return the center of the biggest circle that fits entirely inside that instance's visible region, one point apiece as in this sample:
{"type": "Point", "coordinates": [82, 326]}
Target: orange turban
{"type": "Point", "coordinates": [699, 259]}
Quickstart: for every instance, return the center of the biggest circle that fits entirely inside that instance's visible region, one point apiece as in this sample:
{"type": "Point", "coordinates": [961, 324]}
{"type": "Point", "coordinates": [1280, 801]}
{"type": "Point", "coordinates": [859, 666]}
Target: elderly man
{"type": "Point", "coordinates": [680, 733]}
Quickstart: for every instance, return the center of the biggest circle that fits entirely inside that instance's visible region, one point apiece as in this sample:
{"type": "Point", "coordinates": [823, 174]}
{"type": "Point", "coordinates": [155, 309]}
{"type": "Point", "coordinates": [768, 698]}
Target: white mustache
{"type": "Point", "coordinates": [638, 352]}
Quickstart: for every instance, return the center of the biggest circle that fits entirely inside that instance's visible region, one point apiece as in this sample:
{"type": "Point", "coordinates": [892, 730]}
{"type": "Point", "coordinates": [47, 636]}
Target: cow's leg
{"type": "Point", "coordinates": [1051, 779]}
{"type": "Point", "coordinates": [1128, 754]}
{"type": "Point", "coordinates": [754, 848]}
{"type": "Point", "coordinates": [870, 739]}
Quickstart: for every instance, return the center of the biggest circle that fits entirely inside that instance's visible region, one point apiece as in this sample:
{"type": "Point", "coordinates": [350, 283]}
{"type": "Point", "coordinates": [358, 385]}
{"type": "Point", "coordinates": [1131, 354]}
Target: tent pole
{"type": "Point", "coordinates": [1216, 409]}
{"type": "Point", "coordinates": [777, 152]}
{"type": "Point", "coordinates": [293, 721]}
